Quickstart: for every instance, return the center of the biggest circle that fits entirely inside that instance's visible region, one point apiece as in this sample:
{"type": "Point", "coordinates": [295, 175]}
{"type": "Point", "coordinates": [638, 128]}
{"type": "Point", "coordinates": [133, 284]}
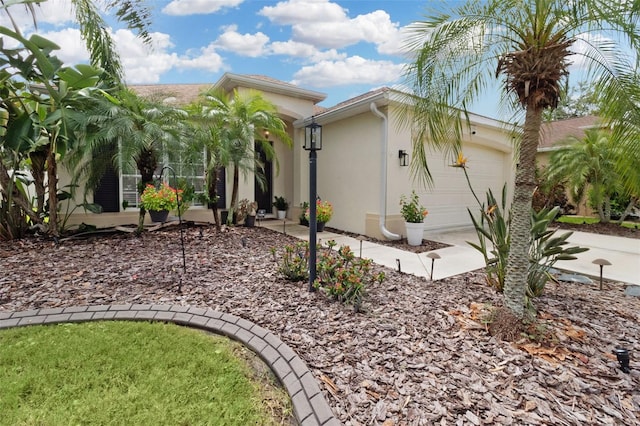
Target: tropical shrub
{"type": "Point", "coordinates": [343, 276]}
{"type": "Point", "coordinates": [339, 274]}
{"type": "Point", "coordinates": [494, 241]}
{"type": "Point", "coordinates": [295, 262]}
{"type": "Point", "coordinates": [411, 209]}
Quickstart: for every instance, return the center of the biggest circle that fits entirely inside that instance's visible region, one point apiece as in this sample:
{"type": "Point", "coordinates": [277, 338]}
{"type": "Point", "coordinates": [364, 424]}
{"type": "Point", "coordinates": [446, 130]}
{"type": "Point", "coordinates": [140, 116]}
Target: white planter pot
{"type": "Point", "coordinates": [415, 232]}
{"type": "Point", "coordinates": [282, 214]}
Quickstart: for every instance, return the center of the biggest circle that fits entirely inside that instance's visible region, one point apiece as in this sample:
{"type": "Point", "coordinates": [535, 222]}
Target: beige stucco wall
{"type": "Point", "coordinates": [490, 164]}
{"type": "Point", "coordinates": [348, 170]}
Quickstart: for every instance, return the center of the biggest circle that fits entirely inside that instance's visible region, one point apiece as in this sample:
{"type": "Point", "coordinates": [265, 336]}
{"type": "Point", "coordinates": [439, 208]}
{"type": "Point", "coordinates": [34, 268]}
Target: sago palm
{"type": "Point", "coordinates": [459, 51]}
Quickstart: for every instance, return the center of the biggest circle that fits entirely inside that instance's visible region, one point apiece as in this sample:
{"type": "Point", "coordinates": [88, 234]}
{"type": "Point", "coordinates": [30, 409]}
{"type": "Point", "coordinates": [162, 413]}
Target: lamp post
{"type": "Point", "coordinates": [312, 143]}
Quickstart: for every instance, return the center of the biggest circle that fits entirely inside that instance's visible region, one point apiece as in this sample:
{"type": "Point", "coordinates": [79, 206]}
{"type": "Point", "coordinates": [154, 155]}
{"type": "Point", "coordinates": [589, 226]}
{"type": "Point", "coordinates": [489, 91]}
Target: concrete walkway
{"type": "Point", "coordinates": [460, 257]}
{"type": "Point", "coordinates": [309, 405]}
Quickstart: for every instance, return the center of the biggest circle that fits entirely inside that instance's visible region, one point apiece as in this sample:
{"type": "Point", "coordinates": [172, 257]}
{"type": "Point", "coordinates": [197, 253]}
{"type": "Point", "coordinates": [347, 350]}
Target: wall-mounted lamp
{"type": "Point", "coordinates": [402, 155]}
{"type": "Point", "coordinates": [266, 134]}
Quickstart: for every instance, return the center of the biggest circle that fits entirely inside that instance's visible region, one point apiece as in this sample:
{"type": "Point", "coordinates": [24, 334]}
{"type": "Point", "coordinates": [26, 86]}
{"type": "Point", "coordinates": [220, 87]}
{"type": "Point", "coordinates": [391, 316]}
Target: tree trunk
{"type": "Point", "coordinates": [515, 285]}
{"type": "Point", "coordinates": [38, 169]}
{"type": "Point", "coordinates": [627, 211]}
{"type": "Point", "coordinates": [234, 193]}
{"type": "Point", "coordinates": [607, 209]}
{"type": "Point", "coordinates": [52, 184]}
{"type": "Point", "coordinates": [16, 196]}
{"type": "Point", "coordinates": [212, 192]}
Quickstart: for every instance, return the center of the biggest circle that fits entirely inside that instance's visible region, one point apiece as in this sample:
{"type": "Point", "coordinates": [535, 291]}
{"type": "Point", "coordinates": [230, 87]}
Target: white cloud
{"type": "Point", "coordinates": [327, 25]}
{"type": "Point", "coordinates": [304, 11]}
{"type": "Point", "coordinates": [72, 47]}
{"type": "Point", "coordinates": [304, 50]}
{"type": "Point", "coordinates": [54, 12]}
{"type": "Point", "coordinates": [206, 59]}
{"type": "Point", "coordinates": [353, 70]}
{"type": "Point", "coordinates": [146, 64]}
{"type": "Point", "coordinates": [198, 7]}
{"type": "Point", "coordinates": [251, 45]}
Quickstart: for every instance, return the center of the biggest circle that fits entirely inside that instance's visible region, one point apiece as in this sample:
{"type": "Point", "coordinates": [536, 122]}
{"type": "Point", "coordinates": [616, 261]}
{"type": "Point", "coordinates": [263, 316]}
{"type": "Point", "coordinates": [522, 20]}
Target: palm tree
{"type": "Point", "coordinates": [459, 51]}
{"type": "Point", "coordinates": [588, 162]}
{"type": "Point", "coordinates": [136, 132]}
{"type": "Point", "coordinates": [242, 120]}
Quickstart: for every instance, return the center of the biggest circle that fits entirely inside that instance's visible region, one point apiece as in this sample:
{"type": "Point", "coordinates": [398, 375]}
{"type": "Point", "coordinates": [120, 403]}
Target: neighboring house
{"type": "Point", "coordinates": [359, 169]}
{"type": "Point", "coordinates": [555, 134]}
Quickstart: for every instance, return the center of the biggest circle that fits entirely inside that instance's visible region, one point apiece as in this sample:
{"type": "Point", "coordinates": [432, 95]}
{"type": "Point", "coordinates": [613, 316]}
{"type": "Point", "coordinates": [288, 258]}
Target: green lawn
{"type": "Point", "coordinates": [580, 220]}
{"type": "Point", "coordinates": [129, 373]}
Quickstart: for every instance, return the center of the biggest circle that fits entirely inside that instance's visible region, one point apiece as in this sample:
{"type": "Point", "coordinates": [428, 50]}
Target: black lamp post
{"type": "Point", "coordinates": [312, 143]}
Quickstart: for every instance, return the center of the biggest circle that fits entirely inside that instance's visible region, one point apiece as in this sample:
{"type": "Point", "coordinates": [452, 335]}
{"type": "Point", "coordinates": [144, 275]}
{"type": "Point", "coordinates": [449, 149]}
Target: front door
{"type": "Point", "coordinates": [264, 190]}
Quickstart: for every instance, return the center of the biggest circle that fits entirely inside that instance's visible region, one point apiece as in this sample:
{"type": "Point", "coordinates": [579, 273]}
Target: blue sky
{"type": "Point", "coordinates": [339, 47]}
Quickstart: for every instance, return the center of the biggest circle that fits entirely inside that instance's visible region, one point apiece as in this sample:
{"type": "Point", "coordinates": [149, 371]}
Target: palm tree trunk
{"type": "Point", "coordinates": [212, 192]}
{"type": "Point", "coordinates": [52, 181]}
{"type": "Point", "coordinates": [515, 284]}
{"type": "Point", "coordinates": [234, 193]}
{"type": "Point", "coordinates": [38, 170]}
{"type": "Point", "coordinates": [627, 210]}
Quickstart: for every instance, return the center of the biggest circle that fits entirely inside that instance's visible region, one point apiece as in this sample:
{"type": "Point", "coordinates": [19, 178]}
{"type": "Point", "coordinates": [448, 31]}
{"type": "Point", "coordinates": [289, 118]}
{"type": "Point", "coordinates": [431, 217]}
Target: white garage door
{"type": "Point", "coordinates": [450, 196]}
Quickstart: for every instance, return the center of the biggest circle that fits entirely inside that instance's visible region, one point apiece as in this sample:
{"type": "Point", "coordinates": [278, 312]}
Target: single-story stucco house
{"type": "Point", "coordinates": [359, 167]}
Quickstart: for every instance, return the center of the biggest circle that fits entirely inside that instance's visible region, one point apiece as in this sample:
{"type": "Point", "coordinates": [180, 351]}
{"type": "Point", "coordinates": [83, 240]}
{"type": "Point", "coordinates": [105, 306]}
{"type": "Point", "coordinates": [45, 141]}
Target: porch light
{"type": "Point", "coordinates": [312, 143]}
{"type": "Point", "coordinates": [313, 136]}
{"type": "Point", "coordinates": [402, 155]}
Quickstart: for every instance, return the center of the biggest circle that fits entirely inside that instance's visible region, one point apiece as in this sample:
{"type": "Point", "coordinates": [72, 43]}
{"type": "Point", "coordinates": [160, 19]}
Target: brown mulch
{"type": "Point", "coordinates": [419, 354]}
{"type": "Point", "coordinates": [425, 246]}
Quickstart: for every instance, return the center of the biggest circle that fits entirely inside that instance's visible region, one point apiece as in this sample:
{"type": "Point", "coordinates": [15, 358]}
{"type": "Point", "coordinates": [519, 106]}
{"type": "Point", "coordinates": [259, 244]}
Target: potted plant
{"type": "Point", "coordinates": [247, 211]}
{"type": "Point", "coordinates": [304, 221]}
{"type": "Point", "coordinates": [324, 211]}
{"type": "Point", "coordinates": [413, 213]}
{"type": "Point", "coordinates": [281, 205]}
{"type": "Point", "coordinates": [159, 201]}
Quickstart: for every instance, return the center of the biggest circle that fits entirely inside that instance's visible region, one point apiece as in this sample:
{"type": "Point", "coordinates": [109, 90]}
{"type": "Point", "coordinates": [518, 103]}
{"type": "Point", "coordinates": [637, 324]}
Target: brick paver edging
{"type": "Point", "coordinates": [309, 405]}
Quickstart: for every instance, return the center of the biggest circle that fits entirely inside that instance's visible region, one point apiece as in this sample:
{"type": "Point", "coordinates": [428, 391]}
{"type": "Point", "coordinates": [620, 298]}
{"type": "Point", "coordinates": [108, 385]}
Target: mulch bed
{"type": "Point", "coordinates": [419, 354]}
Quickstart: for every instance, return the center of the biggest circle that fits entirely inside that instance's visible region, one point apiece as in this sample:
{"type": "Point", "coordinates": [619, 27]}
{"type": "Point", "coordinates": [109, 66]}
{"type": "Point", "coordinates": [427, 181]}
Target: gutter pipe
{"type": "Point", "coordinates": [383, 175]}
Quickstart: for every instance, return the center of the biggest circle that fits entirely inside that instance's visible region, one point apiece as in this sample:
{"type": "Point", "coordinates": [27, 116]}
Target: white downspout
{"type": "Point", "coordinates": [383, 176]}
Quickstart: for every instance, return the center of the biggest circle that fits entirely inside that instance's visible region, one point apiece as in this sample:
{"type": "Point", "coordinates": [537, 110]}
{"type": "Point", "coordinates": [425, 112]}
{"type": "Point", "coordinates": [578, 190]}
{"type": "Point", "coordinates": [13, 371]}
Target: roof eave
{"type": "Point", "coordinates": [230, 81]}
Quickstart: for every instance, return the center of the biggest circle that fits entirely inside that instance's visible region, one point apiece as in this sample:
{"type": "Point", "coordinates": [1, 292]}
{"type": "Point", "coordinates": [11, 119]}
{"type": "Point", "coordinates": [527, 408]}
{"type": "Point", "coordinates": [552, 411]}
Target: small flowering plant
{"type": "Point", "coordinates": [411, 209]}
{"type": "Point", "coordinates": [163, 198]}
{"type": "Point", "coordinates": [324, 211]}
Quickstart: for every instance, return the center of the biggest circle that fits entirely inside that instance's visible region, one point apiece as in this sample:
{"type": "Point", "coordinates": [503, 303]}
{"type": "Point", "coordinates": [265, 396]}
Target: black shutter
{"type": "Point", "coordinates": [107, 194]}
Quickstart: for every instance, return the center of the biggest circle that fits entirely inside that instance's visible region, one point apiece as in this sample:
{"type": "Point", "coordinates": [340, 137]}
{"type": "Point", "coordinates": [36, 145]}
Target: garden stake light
{"type": "Point", "coordinates": [602, 263]}
{"type": "Point", "coordinates": [361, 238]}
{"type": "Point", "coordinates": [623, 359]}
{"type": "Point", "coordinates": [433, 256]}
{"type": "Point", "coordinates": [398, 263]}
